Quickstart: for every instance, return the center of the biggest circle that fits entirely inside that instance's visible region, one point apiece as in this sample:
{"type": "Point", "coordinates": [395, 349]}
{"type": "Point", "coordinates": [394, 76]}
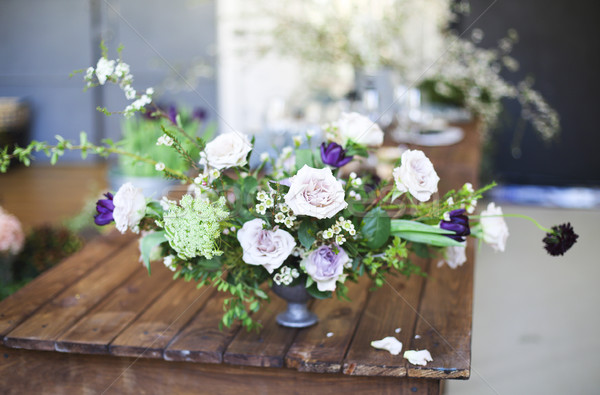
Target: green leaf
{"type": "Point", "coordinates": [306, 233]}
{"type": "Point", "coordinates": [148, 242]}
{"type": "Point", "coordinates": [428, 238]}
{"type": "Point", "coordinates": [304, 157]}
{"type": "Point", "coordinates": [209, 264]}
{"type": "Point", "coordinates": [376, 228]}
{"type": "Point", "coordinates": [315, 293]}
{"type": "Point", "coordinates": [353, 148]}
{"type": "Point", "coordinates": [250, 185]}
{"type": "Point", "coordinates": [403, 225]}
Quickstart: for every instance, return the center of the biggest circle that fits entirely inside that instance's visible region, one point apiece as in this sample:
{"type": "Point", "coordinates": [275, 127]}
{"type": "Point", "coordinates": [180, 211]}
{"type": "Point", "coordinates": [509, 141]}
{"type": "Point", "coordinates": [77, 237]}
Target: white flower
{"type": "Point", "coordinates": [316, 193]}
{"type": "Point", "coordinates": [150, 91]}
{"type": "Point", "coordinates": [358, 128]}
{"type": "Point", "coordinates": [122, 70]}
{"type": "Point", "coordinates": [168, 261]}
{"type": "Point", "coordinates": [416, 175]}
{"type": "Point", "coordinates": [420, 357]}
{"type": "Point", "coordinates": [129, 92]}
{"type": "Point", "coordinates": [297, 141]}
{"type": "Point", "coordinates": [104, 69]}
{"type": "Point", "coordinates": [390, 343]}
{"type": "Point", "coordinates": [159, 166]}
{"type": "Point", "coordinates": [130, 207]}
{"type": "Point", "coordinates": [165, 139]}
{"type": "Point", "coordinates": [268, 248]}
{"type": "Point", "coordinates": [264, 157]}
{"type": "Point", "coordinates": [454, 256]}
{"type": "Point", "coordinates": [89, 74]}
{"type": "Point", "coordinates": [228, 150]}
{"type": "Point", "coordinates": [495, 230]}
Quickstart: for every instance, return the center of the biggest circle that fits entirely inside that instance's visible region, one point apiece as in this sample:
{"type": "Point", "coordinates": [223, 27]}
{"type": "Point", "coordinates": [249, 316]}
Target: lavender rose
{"type": "Point", "coordinates": [416, 175]}
{"type": "Point", "coordinates": [316, 193]}
{"type": "Point", "coordinates": [130, 207]}
{"type": "Point", "coordinates": [268, 248]}
{"type": "Point", "coordinates": [326, 267]}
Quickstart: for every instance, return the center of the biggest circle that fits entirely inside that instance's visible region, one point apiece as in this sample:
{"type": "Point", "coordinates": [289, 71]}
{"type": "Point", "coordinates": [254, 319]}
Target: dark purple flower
{"type": "Point", "coordinates": [105, 208]}
{"type": "Point", "coordinates": [560, 240]}
{"type": "Point", "coordinates": [334, 155]}
{"type": "Point", "coordinates": [172, 114]}
{"type": "Point", "coordinates": [459, 224]}
{"type": "Point", "coordinates": [199, 114]}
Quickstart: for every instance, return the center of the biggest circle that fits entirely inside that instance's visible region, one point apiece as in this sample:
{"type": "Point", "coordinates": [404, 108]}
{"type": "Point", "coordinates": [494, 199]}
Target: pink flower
{"type": "Point", "coordinates": [12, 237]}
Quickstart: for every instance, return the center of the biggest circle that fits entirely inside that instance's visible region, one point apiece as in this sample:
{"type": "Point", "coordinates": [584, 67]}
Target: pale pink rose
{"type": "Point", "coordinates": [358, 128]}
{"type": "Point", "coordinates": [268, 248]}
{"type": "Point", "coordinates": [227, 150]}
{"type": "Point", "coordinates": [12, 237]}
{"type": "Point", "coordinates": [316, 193]}
{"type": "Point", "coordinates": [416, 175]}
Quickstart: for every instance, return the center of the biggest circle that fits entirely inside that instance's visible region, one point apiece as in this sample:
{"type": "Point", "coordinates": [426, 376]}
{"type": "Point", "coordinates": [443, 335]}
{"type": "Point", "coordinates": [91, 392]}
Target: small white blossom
{"type": "Point", "coordinates": [295, 273]}
{"type": "Point", "coordinates": [261, 209]}
{"type": "Point", "coordinates": [336, 229]}
{"type": "Point", "coordinates": [122, 70]}
{"type": "Point", "coordinates": [352, 175]}
{"type": "Point", "coordinates": [226, 231]}
{"type": "Point", "coordinates": [130, 93]}
{"type": "Point", "coordinates": [165, 140]}
{"type": "Point", "coordinates": [468, 187]}
{"type": "Point", "coordinates": [264, 157]}
{"type": "Point", "coordinates": [450, 201]}
{"type": "Point", "coordinates": [269, 202]}
{"type": "Point", "coordinates": [261, 196]}
{"type": "Point", "coordinates": [356, 182]}
{"type": "Point", "coordinates": [340, 239]}
{"type": "Point", "coordinates": [159, 166]}
{"type": "Point", "coordinates": [214, 174]}
{"type": "Point", "coordinates": [352, 232]}
{"type": "Point", "coordinates": [328, 234]}
{"type": "Point", "coordinates": [168, 261]}
{"type": "Point", "coordinates": [150, 91]}
{"type": "Point", "coordinates": [279, 218]}
{"type": "Point", "coordinates": [297, 141]}
{"type": "Point", "coordinates": [104, 69]}
{"type": "Point", "coordinates": [289, 222]}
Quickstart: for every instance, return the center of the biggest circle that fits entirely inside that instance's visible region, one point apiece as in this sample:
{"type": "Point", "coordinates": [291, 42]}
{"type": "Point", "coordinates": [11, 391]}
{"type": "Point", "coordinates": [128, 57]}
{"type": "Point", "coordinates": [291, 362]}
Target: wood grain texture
{"type": "Point", "coordinates": [42, 329]}
{"type": "Point", "coordinates": [266, 347]}
{"type": "Point", "coordinates": [445, 320]}
{"type": "Point", "coordinates": [20, 305]}
{"type": "Point", "coordinates": [201, 340]}
{"type": "Point", "coordinates": [94, 331]}
{"type": "Point", "coordinates": [313, 350]}
{"type": "Point", "coordinates": [391, 307]}
{"type": "Point", "coordinates": [151, 332]}
{"type": "Point", "coordinates": [60, 373]}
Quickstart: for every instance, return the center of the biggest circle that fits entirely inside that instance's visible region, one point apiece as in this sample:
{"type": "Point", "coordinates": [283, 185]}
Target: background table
{"type": "Point", "coordinates": [98, 322]}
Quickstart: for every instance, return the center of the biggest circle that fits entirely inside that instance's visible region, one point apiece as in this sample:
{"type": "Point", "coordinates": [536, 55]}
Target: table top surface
{"type": "Point", "coordinates": [102, 301]}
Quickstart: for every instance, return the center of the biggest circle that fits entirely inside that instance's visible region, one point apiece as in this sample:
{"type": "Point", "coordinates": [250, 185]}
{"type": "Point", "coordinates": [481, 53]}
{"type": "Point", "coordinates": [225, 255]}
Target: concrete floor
{"type": "Point", "coordinates": [536, 327]}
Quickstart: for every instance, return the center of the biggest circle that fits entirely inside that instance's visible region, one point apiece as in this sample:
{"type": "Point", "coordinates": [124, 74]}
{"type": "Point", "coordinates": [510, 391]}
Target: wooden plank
{"type": "Point", "coordinates": [266, 347]}
{"type": "Point", "coordinates": [20, 305]}
{"type": "Point", "coordinates": [94, 331]}
{"type": "Point", "coordinates": [444, 323]}
{"type": "Point", "coordinates": [150, 333]}
{"type": "Point", "coordinates": [391, 307]}
{"type": "Point", "coordinates": [35, 372]}
{"type": "Point", "coordinates": [313, 350]}
{"type": "Point", "coordinates": [201, 340]}
{"type": "Point", "coordinates": [40, 331]}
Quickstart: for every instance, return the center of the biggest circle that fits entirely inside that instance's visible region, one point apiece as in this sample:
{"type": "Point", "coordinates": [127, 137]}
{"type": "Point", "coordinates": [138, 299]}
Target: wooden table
{"type": "Point", "coordinates": [98, 323]}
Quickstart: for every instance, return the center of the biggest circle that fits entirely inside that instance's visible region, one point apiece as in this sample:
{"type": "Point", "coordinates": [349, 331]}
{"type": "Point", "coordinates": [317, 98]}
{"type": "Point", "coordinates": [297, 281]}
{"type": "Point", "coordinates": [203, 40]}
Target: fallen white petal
{"type": "Point", "coordinates": [417, 336]}
{"type": "Point", "coordinates": [329, 334]}
{"type": "Point", "coordinates": [418, 357]}
{"type": "Point", "coordinates": [398, 330]}
{"type": "Point", "coordinates": [390, 343]}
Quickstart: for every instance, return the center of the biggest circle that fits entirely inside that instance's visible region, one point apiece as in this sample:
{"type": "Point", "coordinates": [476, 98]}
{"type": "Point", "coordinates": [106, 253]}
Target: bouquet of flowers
{"type": "Point", "coordinates": [293, 220]}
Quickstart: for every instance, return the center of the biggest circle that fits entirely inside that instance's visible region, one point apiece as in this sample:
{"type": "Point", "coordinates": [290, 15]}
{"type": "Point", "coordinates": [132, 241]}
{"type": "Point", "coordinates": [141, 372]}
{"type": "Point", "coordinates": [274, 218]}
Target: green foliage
{"type": "Point", "coordinates": [376, 228]}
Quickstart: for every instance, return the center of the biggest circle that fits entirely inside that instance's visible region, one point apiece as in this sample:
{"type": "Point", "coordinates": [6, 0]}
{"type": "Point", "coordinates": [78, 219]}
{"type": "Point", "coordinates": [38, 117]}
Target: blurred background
{"type": "Point", "coordinates": [526, 72]}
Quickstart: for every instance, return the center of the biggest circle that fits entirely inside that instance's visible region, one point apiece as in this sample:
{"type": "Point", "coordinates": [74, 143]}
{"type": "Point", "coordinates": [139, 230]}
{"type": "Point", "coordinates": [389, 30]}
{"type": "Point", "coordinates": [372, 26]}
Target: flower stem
{"type": "Point", "coordinates": [522, 216]}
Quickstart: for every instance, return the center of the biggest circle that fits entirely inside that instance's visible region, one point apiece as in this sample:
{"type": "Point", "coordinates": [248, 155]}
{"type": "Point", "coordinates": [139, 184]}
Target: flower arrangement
{"type": "Point", "coordinates": [293, 220]}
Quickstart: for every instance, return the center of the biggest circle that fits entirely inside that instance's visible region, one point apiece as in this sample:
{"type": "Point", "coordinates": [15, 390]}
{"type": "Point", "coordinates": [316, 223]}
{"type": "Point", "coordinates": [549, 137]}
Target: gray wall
{"type": "Point", "coordinates": [43, 41]}
{"type": "Point", "coordinates": [559, 46]}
